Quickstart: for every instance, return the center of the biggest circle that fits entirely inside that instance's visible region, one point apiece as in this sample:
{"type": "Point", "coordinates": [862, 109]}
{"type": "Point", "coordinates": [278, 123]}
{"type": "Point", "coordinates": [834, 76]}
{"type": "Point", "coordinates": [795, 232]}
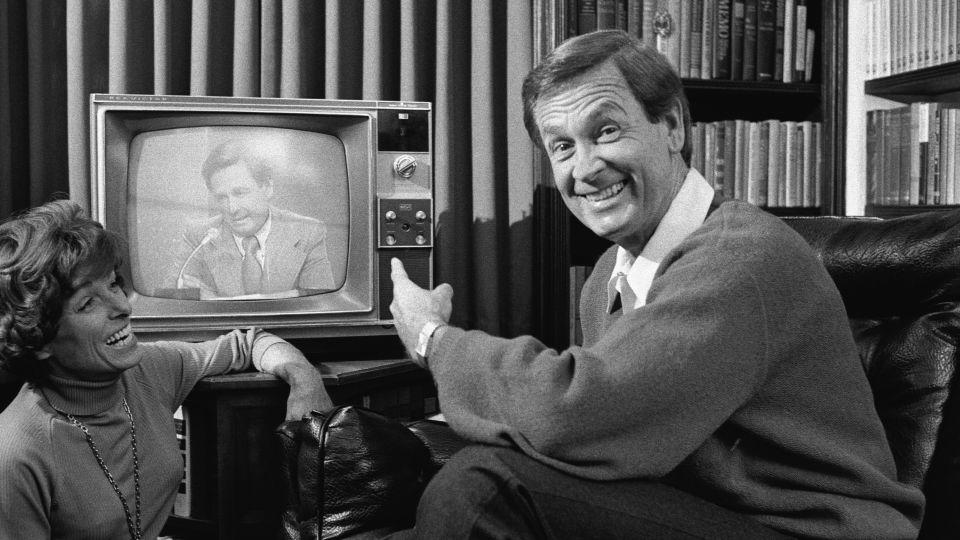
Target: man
{"type": "Point", "coordinates": [718, 392]}
{"type": "Point", "coordinates": [252, 247]}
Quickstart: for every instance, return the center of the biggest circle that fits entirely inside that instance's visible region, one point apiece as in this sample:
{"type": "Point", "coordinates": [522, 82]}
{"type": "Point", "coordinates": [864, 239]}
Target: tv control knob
{"type": "Point", "coordinates": [405, 165]}
{"type": "Point", "coordinates": [421, 215]}
{"type": "Point", "coordinates": [391, 239]}
{"type": "Point", "coordinates": [390, 215]}
{"type": "Point", "coordinates": [420, 239]}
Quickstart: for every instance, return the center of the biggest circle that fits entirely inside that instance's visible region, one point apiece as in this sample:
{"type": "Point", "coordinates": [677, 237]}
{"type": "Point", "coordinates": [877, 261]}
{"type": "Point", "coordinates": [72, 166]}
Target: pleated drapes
{"type": "Point", "coordinates": [468, 57]}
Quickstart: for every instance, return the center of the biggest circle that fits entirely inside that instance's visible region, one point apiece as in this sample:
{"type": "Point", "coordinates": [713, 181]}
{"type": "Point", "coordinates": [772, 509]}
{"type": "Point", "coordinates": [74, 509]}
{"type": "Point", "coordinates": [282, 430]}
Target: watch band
{"type": "Point", "coordinates": [423, 340]}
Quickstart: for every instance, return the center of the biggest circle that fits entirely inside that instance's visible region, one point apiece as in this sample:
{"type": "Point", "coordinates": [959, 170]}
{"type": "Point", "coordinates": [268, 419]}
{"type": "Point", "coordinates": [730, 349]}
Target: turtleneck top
{"type": "Point", "coordinates": [50, 483]}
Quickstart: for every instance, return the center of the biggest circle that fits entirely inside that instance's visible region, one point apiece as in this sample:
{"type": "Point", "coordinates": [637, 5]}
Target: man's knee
{"type": "Point", "coordinates": [472, 473]}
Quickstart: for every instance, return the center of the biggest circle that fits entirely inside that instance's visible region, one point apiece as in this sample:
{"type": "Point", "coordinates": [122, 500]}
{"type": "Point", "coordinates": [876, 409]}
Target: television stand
{"type": "Point", "coordinates": [233, 452]}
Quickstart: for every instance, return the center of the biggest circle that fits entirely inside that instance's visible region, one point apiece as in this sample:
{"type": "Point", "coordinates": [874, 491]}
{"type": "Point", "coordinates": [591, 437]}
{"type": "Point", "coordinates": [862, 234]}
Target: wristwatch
{"type": "Point", "coordinates": [423, 341]}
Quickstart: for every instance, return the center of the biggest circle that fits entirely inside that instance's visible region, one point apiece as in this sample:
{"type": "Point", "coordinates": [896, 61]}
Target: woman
{"type": "Point", "coordinates": [88, 447]}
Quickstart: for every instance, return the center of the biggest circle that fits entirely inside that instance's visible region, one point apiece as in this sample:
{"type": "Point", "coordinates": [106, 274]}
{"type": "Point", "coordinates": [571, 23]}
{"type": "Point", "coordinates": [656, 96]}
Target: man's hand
{"type": "Point", "coordinates": [306, 385]}
{"type": "Point", "coordinates": [413, 306]}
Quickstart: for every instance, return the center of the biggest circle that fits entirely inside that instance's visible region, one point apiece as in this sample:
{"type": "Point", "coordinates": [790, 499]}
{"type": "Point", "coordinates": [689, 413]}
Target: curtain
{"type": "Point", "coordinates": [467, 57]}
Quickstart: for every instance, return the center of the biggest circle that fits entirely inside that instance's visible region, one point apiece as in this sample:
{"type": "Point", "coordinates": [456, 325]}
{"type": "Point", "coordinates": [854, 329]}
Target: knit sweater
{"type": "Point", "coordinates": [739, 381]}
{"type": "Point", "coordinates": [50, 483]}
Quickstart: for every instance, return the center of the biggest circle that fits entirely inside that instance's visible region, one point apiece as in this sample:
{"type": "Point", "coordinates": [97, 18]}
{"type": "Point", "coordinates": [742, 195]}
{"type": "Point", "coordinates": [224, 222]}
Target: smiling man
{"type": "Point", "coordinates": [718, 392]}
{"type": "Point", "coordinates": [252, 247]}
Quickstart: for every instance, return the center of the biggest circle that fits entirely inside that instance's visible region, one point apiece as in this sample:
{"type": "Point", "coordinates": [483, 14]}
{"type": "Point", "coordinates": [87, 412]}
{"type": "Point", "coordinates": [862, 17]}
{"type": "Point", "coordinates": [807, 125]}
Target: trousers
{"type": "Point", "coordinates": [495, 492]}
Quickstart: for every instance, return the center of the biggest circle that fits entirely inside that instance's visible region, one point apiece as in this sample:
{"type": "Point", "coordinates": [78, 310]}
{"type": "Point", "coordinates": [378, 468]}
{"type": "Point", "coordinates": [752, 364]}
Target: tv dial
{"type": "Point", "coordinates": [390, 215]}
{"type": "Point", "coordinates": [405, 165]}
{"type": "Point", "coordinates": [420, 215]}
{"type": "Point", "coordinates": [405, 223]}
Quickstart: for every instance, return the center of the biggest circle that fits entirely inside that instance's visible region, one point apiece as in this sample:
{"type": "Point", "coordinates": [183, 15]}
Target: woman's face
{"type": "Point", "coordinates": [94, 341]}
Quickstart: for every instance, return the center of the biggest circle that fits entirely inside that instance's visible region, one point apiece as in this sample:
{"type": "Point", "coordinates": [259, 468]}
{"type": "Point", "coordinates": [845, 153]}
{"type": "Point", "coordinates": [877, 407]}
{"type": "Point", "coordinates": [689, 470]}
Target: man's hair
{"type": "Point", "coordinates": [234, 152]}
{"type": "Point", "coordinates": [651, 79]}
{"type": "Point", "coordinates": [43, 253]}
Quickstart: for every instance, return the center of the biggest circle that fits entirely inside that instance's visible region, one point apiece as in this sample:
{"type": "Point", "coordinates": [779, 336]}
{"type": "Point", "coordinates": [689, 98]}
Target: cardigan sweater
{"type": "Point", "coordinates": [739, 381]}
{"type": "Point", "coordinates": [50, 483]}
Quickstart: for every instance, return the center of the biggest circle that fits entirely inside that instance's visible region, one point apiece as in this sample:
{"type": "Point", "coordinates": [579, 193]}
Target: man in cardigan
{"type": "Point", "coordinates": [718, 392]}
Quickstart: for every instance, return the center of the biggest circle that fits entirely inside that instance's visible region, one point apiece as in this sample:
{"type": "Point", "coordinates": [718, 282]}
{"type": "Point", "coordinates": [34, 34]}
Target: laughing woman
{"type": "Point", "coordinates": [88, 447]}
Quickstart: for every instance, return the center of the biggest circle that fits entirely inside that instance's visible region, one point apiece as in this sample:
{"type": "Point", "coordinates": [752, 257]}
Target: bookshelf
{"type": "Point", "coordinates": [932, 84]}
{"type": "Point", "coordinates": [563, 243]}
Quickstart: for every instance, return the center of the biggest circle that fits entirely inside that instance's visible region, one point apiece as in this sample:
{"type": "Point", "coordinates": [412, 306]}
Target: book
{"type": "Point", "coordinates": [729, 157]}
{"type": "Point", "coordinates": [818, 164]}
{"type": "Point", "coordinates": [635, 18]}
{"type": "Point", "coordinates": [573, 16]}
{"type": "Point", "coordinates": [791, 159]}
{"type": "Point", "coordinates": [808, 62]}
{"type": "Point", "coordinates": [622, 15]}
{"type": "Point", "coordinates": [742, 157]}
{"type": "Point", "coordinates": [891, 168]}
{"type": "Point", "coordinates": [606, 14]}
{"type": "Point", "coordinates": [808, 163]}
{"type": "Point", "coordinates": [708, 43]}
{"type": "Point", "coordinates": [874, 157]}
{"type": "Point", "coordinates": [696, 40]}
{"type": "Point", "coordinates": [710, 153]}
{"type": "Point", "coordinates": [766, 39]}
{"type": "Point", "coordinates": [932, 164]}
{"type": "Point", "coordinates": [789, 35]}
{"type": "Point", "coordinates": [800, 42]}
{"type": "Point", "coordinates": [799, 169]}
{"type": "Point", "coordinates": [737, 22]}
{"type": "Point", "coordinates": [586, 16]}
{"type": "Point", "coordinates": [782, 173]}
{"type": "Point", "coordinates": [721, 51]}
{"type": "Point", "coordinates": [913, 154]}
{"type": "Point", "coordinates": [774, 161]}
{"type": "Point", "coordinates": [750, 40]}
{"type": "Point", "coordinates": [759, 162]}
{"type": "Point", "coordinates": [686, 20]}
{"type": "Point", "coordinates": [666, 26]}
{"type": "Point", "coordinates": [778, 40]}
{"type": "Point", "coordinates": [649, 12]}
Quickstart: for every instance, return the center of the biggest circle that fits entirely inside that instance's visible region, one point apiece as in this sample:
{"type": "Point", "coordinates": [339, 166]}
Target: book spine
{"type": "Point", "coordinates": [789, 34]}
{"type": "Point", "coordinates": [762, 150]}
{"type": "Point", "coordinates": [809, 163]}
{"type": "Point", "coordinates": [649, 13]}
{"type": "Point", "coordinates": [818, 164]}
{"type": "Point", "coordinates": [686, 19]}
{"type": "Point", "coordinates": [800, 43]}
{"type": "Point", "coordinates": [790, 160]}
{"type": "Point", "coordinates": [721, 52]}
{"type": "Point", "coordinates": [778, 40]}
{"type": "Point", "coordinates": [766, 39]}
{"type": "Point", "coordinates": [774, 157]}
{"type": "Point", "coordinates": [696, 40]}
{"type": "Point", "coordinates": [708, 42]}
{"type": "Point", "coordinates": [873, 163]}
{"type": "Point", "coordinates": [891, 149]}
{"type": "Point", "coordinates": [573, 18]}
{"type": "Point", "coordinates": [933, 155]}
{"type": "Point", "coordinates": [729, 157]}
{"type": "Point", "coordinates": [635, 18]}
{"type": "Point", "coordinates": [750, 40]}
{"type": "Point", "coordinates": [743, 159]}
{"type": "Point", "coordinates": [737, 21]}
{"type": "Point", "coordinates": [622, 15]}
{"type": "Point", "coordinates": [586, 16]}
{"type": "Point", "coordinates": [606, 14]}
{"type": "Point", "coordinates": [808, 62]}
{"type": "Point", "coordinates": [709, 153]}
{"type": "Point", "coordinates": [668, 40]}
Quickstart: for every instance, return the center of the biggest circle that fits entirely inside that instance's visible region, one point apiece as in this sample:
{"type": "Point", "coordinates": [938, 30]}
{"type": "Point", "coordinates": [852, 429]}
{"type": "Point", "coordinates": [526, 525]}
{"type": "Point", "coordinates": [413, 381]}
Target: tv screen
{"type": "Point", "coordinates": [173, 205]}
{"type": "Point", "coordinates": [279, 213]}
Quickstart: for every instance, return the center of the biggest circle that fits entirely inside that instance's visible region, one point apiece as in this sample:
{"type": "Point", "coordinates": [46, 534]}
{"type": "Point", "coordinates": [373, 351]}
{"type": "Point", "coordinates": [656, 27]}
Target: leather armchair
{"type": "Point", "coordinates": [900, 281]}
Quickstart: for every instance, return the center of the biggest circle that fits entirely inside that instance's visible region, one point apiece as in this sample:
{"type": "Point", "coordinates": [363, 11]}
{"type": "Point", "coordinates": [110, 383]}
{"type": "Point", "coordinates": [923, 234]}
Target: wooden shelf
{"type": "Point", "coordinates": [895, 211]}
{"type": "Point", "coordinates": [759, 87]}
{"type": "Point", "coordinates": [919, 85]}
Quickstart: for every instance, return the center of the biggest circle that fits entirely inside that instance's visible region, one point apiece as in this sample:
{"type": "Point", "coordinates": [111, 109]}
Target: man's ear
{"type": "Point", "coordinates": [676, 136]}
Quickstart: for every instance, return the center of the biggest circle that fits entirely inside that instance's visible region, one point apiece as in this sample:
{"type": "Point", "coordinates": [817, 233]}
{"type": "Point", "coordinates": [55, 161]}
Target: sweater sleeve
{"type": "Point", "coordinates": [25, 492]}
{"type": "Point", "coordinates": [176, 366]}
{"type": "Point", "coordinates": [651, 389]}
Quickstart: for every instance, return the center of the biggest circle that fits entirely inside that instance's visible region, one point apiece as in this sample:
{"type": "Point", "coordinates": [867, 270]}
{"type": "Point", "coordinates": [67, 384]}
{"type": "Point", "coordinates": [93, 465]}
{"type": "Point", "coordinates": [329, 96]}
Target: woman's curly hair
{"type": "Point", "coordinates": [43, 253]}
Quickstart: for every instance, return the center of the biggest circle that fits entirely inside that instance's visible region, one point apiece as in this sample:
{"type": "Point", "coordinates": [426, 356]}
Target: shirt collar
{"type": "Point", "coordinates": [685, 214]}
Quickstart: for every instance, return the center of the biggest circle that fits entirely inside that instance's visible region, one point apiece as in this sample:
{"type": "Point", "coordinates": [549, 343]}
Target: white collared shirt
{"type": "Point", "coordinates": [261, 235]}
{"type": "Point", "coordinates": [686, 213]}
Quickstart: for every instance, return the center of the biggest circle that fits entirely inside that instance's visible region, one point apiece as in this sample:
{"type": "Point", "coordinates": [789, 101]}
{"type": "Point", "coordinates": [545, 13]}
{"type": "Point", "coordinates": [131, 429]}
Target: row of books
{"type": "Point", "coordinates": [913, 155]}
{"type": "Point", "coordinates": [905, 35]}
{"type": "Point", "coordinates": [762, 40]}
{"type": "Point", "coordinates": [772, 163]}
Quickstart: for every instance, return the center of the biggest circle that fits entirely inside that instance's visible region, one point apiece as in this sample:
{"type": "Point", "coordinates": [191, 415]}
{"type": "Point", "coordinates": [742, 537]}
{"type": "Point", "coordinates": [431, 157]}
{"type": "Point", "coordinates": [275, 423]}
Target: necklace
{"type": "Point", "coordinates": [134, 528]}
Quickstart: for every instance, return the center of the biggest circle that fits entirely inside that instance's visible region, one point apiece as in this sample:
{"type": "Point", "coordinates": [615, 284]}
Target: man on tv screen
{"type": "Point", "coordinates": [251, 249]}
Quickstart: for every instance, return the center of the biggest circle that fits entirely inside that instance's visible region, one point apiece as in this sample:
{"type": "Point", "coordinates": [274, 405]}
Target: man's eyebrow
{"type": "Point", "coordinates": [604, 108]}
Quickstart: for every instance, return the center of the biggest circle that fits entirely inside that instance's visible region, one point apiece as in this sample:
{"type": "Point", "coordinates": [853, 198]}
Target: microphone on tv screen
{"type": "Point", "coordinates": [212, 234]}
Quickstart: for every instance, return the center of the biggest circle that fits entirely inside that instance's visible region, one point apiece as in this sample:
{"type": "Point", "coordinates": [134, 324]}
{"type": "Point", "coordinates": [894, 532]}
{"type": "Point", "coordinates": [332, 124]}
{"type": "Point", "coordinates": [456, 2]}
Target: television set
{"type": "Point", "coordinates": [331, 190]}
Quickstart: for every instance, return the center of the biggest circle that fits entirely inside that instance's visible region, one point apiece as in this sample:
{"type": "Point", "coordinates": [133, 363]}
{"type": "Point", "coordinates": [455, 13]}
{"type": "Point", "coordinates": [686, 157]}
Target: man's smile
{"type": "Point", "coordinates": [605, 193]}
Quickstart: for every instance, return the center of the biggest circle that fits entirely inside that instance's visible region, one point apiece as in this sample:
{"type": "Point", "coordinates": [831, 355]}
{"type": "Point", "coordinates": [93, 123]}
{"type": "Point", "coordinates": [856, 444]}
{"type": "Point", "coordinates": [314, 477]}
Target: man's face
{"type": "Point", "coordinates": [94, 340]}
{"type": "Point", "coordinates": [616, 171]}
{"type": "Point", "coordinates": [243, 203]}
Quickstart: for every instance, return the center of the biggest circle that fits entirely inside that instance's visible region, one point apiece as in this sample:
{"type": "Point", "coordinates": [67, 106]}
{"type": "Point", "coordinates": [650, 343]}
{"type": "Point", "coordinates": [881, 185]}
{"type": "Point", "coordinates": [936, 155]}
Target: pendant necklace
{"type": "Point", "coordinates": [133, 527]}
